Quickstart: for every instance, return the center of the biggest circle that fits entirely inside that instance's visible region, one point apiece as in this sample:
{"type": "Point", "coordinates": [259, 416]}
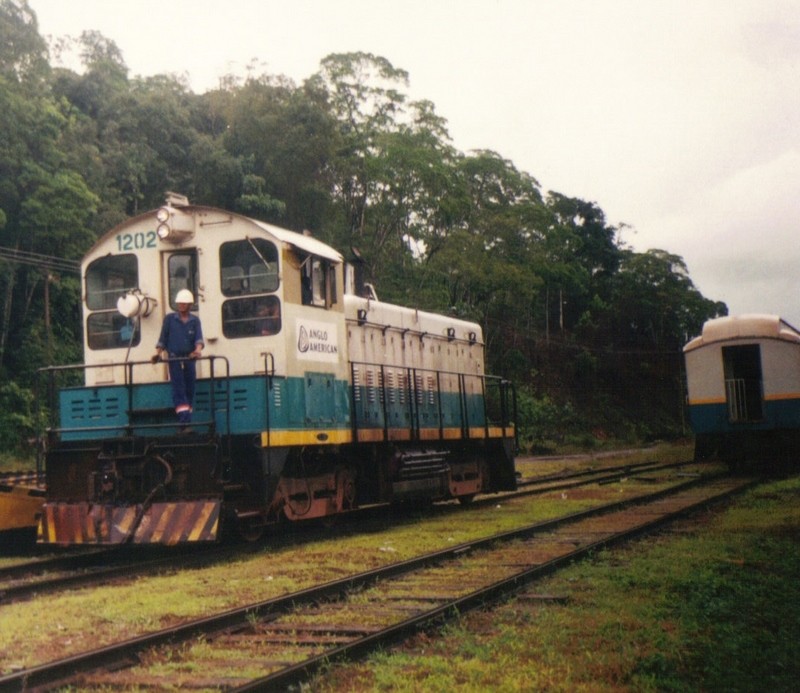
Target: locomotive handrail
{"type": "Point", "coordinates": [269, 374]}
{"type": "Point", "coordinates": [50, 373]}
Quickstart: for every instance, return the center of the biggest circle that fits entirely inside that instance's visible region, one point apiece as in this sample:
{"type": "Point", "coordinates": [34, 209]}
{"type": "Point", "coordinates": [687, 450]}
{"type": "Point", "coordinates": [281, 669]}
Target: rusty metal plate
{"type": "Point", "coordinates": [160, 523]}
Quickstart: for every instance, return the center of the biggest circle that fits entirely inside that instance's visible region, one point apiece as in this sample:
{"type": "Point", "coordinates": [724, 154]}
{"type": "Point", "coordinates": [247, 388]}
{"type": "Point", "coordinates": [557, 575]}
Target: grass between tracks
{"type": "Point", "coordinates": [715, 608]}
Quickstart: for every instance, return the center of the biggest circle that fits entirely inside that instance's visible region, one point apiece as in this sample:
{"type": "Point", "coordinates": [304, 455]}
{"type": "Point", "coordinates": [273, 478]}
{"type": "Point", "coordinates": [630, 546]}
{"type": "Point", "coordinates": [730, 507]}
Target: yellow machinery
{"type": "Point", "coordinates": [20, 503]}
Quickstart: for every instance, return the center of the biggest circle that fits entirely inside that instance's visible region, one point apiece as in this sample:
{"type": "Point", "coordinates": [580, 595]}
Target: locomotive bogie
{"type": "Point", "coordinates": [310, 400]}
{"type": "Point", "coordinates": [743, 383]}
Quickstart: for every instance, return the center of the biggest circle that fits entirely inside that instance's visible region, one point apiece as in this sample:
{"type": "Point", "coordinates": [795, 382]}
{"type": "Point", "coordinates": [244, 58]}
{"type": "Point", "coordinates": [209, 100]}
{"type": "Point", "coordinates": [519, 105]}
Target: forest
{"type": "Point", "coordinates": [589, 330]}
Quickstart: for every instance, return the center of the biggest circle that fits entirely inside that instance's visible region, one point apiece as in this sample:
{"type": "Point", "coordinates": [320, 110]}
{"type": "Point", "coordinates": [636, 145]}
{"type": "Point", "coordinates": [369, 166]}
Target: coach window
{"type": "Point", "coordinates": [107, 280]}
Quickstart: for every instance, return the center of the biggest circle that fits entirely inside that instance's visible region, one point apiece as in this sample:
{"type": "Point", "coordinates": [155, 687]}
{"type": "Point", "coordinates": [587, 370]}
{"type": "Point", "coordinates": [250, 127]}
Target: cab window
{"type": "Point", "coordinates": [107, 280]}
{"type": "Point", "coordinates": [251, 317]}
{"type": "Point", "coordinates": [318, 282]}
{"type": "Point", "coordinates": [182, 274]}
{"type": "Point", "coordinates": [111, 330]}
{"type": "Point", "coordinates": [249, 271]}
{"type": "Point", "coordinates": [248, 266]}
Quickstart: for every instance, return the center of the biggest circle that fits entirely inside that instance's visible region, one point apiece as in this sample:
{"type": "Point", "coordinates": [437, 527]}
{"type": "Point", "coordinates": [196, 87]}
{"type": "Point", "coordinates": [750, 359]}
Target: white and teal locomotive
{"type": "Point", "coordinates": [312, 396]}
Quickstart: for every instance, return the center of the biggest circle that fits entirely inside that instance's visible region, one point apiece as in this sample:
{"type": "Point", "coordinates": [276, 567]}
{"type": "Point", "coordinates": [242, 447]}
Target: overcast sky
{"type": "Point", "coordinates": [680, 119]}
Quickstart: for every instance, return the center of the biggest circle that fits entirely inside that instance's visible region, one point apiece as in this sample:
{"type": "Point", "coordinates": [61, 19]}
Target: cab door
{"type": "Point", "coordinates": [180, 272]}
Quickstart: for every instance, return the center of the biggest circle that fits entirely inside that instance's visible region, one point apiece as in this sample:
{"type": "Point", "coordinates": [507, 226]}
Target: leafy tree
{"type": "Point", "coordinates": [582, 257]}
{"type": "Point", "coordinates": [364, 97]}
{"type": "Point", "coordinates": [282, 136]}
{"type": "Point", "coordinates": [18, 419]}
{"type": "Point", "coordinates": [23, 52]}
{"type": "Point", "coordinates": [413, 183]}
{"type": "Point", "coordinates": [47, 205]}
{"type": "Point", "coordinates": [504, 216]}
{"type": "Point", "coordinates": [656, 303]}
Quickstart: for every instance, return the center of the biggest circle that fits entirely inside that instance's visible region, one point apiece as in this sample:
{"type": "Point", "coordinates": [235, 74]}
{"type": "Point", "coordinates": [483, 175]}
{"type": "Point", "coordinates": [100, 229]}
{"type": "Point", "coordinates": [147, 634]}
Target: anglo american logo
{"type": "Point", "coordinates": [317, 341]}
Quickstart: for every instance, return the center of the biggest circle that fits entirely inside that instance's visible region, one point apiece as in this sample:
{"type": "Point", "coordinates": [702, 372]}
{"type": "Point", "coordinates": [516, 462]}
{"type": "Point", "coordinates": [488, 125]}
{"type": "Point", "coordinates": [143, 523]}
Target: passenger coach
{"type": "Point", "coordinates": [743, 378]}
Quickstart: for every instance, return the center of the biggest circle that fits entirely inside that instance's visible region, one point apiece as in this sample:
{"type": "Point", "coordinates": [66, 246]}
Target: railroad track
{"type": "Point", "coordinates": [24, 477]}
{"type": "Point", "coordinates": [600, 475]}
{"type": "Point", "coordinates": [101, 566]}
{"type": "Point", "coordinates": [97, 567]}
{"type": "Point", "coordinates": [279, 642]}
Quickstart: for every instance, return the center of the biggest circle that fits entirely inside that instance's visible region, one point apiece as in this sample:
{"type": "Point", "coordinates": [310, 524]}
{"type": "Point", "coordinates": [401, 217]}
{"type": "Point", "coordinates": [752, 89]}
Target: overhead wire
{"type": "Point", "coordinates": [49, 262]}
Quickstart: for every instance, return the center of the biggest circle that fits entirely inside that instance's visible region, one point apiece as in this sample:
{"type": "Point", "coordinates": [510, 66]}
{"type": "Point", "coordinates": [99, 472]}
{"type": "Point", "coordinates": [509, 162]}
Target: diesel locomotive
{"type": "Point", "coordinates": [312, 396]}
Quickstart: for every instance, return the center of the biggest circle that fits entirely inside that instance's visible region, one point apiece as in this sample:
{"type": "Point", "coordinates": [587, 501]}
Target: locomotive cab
{"type": "Point", "coordinates": [242, 274]}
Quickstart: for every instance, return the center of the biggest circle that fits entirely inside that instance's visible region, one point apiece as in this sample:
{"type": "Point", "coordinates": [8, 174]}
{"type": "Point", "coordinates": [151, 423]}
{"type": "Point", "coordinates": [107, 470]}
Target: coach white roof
{"type": "Point", "coordinates": [754, 326]}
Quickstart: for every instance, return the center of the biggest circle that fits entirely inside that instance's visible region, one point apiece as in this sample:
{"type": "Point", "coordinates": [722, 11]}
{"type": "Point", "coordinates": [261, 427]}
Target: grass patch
{"type": "Point", "coordinates": [714, 610]}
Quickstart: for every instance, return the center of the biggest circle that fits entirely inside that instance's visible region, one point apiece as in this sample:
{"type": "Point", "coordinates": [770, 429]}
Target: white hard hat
{"type": "Point", "coordinates": [184, 296]}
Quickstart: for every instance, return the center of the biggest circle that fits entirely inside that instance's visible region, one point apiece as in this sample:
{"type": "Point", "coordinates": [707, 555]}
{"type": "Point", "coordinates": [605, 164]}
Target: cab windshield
{"type": "Point", "coordinates": [107, 280]}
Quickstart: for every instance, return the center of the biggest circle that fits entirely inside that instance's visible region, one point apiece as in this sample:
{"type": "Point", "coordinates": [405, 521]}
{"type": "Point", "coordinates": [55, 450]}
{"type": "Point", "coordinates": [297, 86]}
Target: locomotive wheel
{"type": "Point", "coordinates": [345, 489]}
{"type": "Point", "coordinates": [249, 529]}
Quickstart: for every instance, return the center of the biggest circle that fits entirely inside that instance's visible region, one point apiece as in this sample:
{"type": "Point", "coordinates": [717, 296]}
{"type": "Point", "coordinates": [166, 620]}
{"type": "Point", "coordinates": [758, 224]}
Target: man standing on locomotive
{"type": "Point", "coordinates": [182, 338]}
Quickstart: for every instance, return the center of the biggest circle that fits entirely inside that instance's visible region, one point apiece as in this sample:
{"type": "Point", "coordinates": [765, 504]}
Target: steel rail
{"type": "Point", "coordinates": [558, 476]}
{"type": "Point", "coordinates": [599, 476]}
{"type": "Point", "coordinates": [97, 573]}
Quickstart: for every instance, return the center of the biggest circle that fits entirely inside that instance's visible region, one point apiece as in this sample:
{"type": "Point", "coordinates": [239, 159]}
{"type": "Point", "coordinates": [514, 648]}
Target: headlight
{"type": "Point", "coordinates": [174, 225]}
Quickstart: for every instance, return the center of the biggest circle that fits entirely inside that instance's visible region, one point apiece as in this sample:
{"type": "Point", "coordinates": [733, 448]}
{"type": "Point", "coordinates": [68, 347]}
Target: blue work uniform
{"type": "Point", "coordinates": [179, 339]}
